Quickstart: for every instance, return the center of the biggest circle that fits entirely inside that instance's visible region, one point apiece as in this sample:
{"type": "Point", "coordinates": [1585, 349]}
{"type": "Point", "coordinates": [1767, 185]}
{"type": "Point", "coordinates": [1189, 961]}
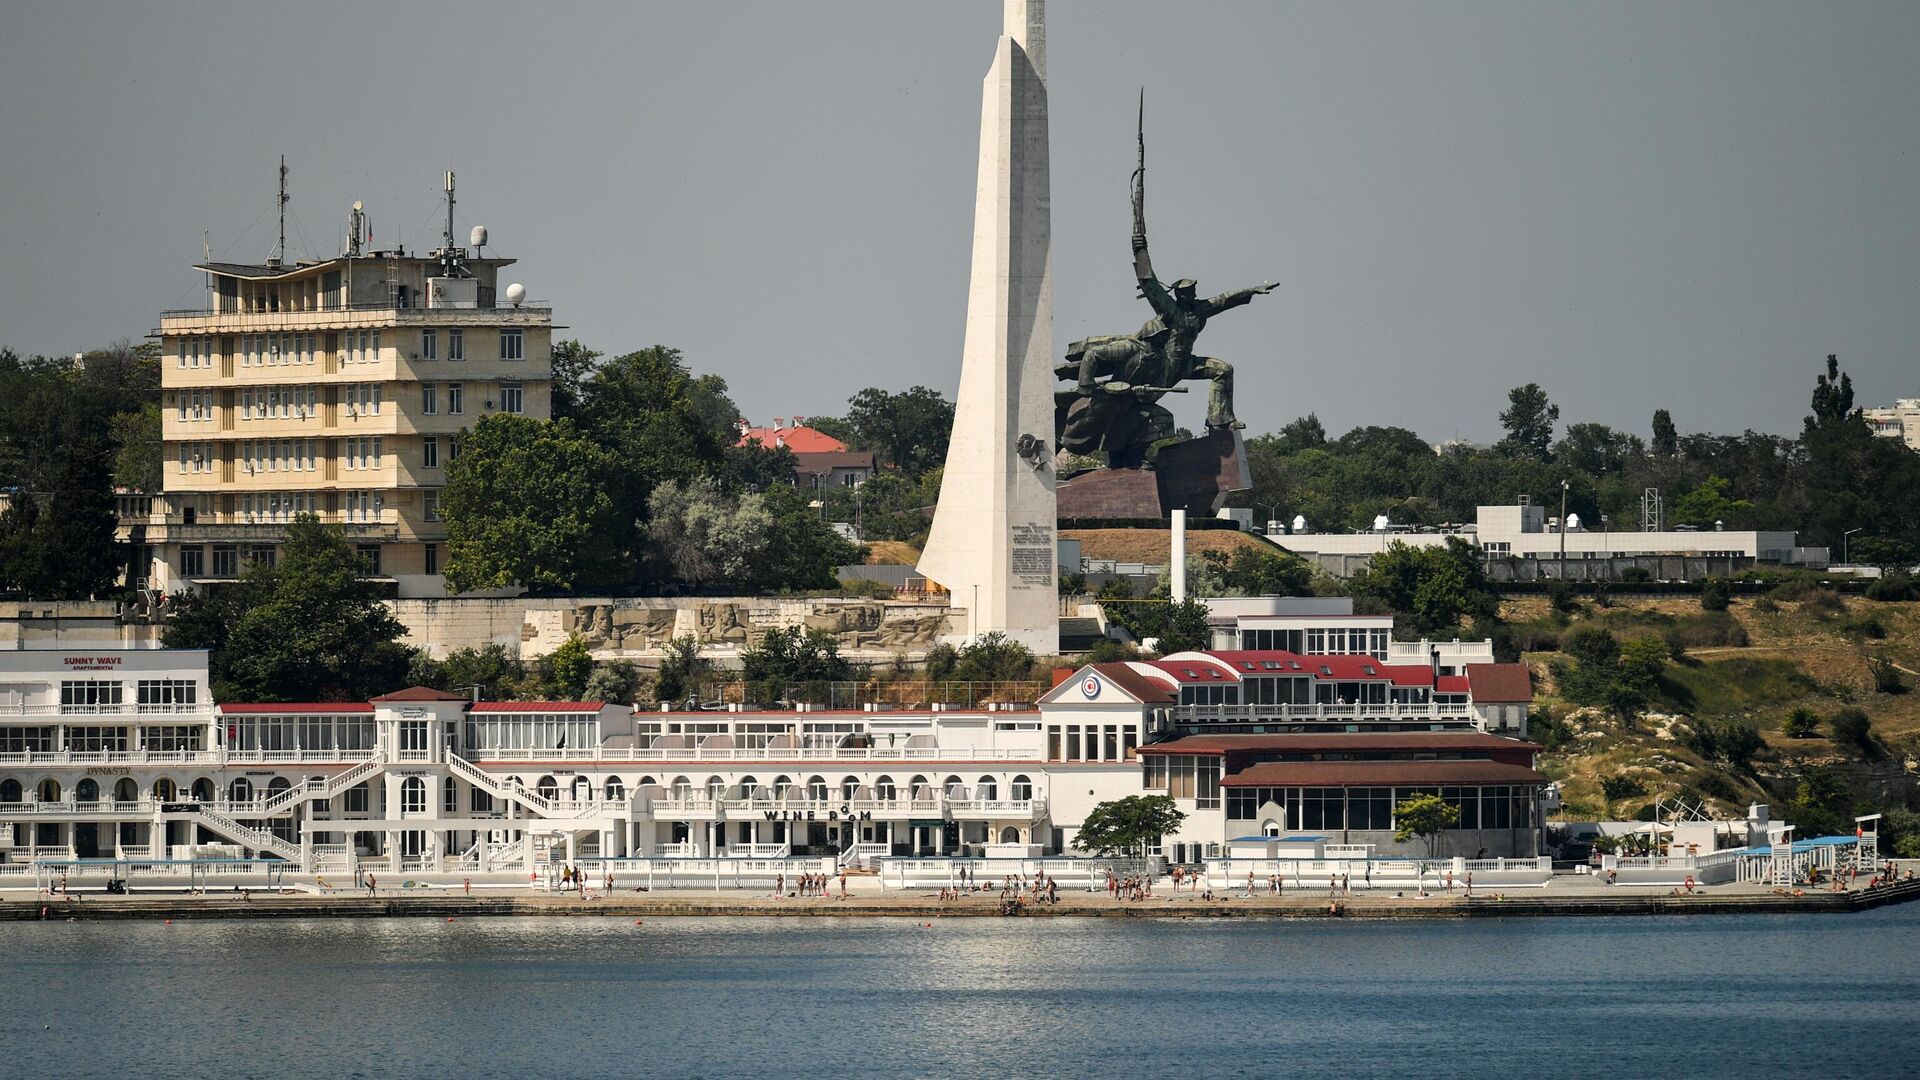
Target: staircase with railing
{"type": "Point", "coordinates": [861, 855]}
{"type": "Point", "coordinates": [500, 787]}
{"type": "Point", "coordinates": [256, 839]}
{"type": "Point", "coordinates": [281, 803]}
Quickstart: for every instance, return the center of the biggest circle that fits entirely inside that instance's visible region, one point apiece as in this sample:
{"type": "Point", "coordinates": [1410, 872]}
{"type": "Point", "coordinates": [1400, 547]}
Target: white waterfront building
{"type": "Point", "coordinates": [1311, 725]}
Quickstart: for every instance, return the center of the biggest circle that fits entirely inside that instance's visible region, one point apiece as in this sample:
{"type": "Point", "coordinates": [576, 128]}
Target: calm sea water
{"type": "Point", "coordinates": [831, 999]}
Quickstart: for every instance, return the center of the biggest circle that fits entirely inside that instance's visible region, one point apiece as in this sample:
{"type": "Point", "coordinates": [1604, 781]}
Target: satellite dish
{"type": "Point", "coordinates": [1380, 523]}
{"type": "Point", "coordinates": [1299, 523]}
{"type": "Point", "coordinates": [357, 205]}
{"type": "Point", "coordinates": [516, 292]}
{"type": "Point", "coordinates": [1573, 522]}
{"type": "Point", "coordinates": [478, 237]}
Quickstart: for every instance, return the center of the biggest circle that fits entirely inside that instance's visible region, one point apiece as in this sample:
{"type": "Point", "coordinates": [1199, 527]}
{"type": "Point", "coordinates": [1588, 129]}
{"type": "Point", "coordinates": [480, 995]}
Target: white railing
{"type": "Point", "coordinates": [257, 839]}
{"type": "Point", "coordinates": [765, 753]}
{"type": "Point", "coordinates": [67, 807]}
{"type": "Point", "coordinates": [117, 709]}
{"type": "Point", "coordinates": [1024, 809]}
{"type": "Point", "coordinates": [863, 854]}
{"type": "Point", "coordinates": [500, 787]}
{"type": "Point", "coordinates": [1328, 713]}
{"type": "Point", "coordinates": [699, 806]}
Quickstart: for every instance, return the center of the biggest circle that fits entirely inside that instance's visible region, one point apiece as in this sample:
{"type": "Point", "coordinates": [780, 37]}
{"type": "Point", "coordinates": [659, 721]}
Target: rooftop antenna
{"type": "Point", "coordinates": [447, 261]}
{"type": "Point", "coordinates": [355, 219]}
{"type": "Point", "coordinates": [280, 249]}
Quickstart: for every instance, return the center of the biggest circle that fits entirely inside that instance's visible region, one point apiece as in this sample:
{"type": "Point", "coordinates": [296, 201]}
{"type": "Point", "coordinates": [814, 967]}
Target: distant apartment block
{"type": "Point", "coordinates": [1900, 422]}
{"type": "Point", "coordinates": [339, 388]}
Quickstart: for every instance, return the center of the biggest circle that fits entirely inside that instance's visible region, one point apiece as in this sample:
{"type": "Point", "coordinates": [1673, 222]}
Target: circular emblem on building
{"type": "Point", "coordinates": [1090, 686]}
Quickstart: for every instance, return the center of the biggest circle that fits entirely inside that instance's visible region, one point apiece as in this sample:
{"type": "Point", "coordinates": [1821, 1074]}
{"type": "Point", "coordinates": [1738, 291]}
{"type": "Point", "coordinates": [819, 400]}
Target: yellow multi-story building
{"type": "Point", "coordinates": [339, 388]}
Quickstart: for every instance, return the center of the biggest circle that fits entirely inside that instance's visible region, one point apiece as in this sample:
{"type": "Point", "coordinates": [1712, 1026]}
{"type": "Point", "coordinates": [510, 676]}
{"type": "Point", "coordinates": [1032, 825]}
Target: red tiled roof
{"type": "Point", "coordinates": [1197, 671]}
{"type": "Point", "coordinates": [1144, 687]}
{"type": "Point", "coordinates": [800, 440]}
{"type": "Point", "coordinates": [419, 693]}
{"type": "Point", "coordinates": [1379, 773]}
{"type": "Point", "coordinates": [1500, 682]}
{"type": "Point", "coordinates": [537, 706]}
{"type": "Point", "coordinates": [270, 708]}
{"type": "Point", "coordinates": [1347, 667]}
{"type": "Point", "coordinates": [1340, 742]}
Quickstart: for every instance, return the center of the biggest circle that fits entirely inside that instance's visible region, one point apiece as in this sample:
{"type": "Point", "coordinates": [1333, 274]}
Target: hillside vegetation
{"type": "Point", "coordinates": [1799, 698]}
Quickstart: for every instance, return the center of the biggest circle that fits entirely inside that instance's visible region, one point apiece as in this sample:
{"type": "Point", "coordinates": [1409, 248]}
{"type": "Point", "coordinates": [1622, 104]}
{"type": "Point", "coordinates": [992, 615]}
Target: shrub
{"type": "Point", "coordinates": [1894, 588]}
{"type": "Point", "coordinates": [1560, 595]}
{"type": "Point", "coordinates": [1637, 575]}
{"type": "Point", "coordinates": [1715, 594]}
{"type": "Point", "coordinates": [1865, 626]}
{"type": "Point", "coordinates": [1706, 630]}
{"type": "Point", "coordinates": [1615, 788]}
{"type": "Point", "coordinates": [1801, 723]}
{"type": "Point", "coordinates": [1886, 677]}
{"type": "Point", "coordinates": [1823, 604]}
{"type": "Point", "coordinates": [1854, 728]}
{"type": "Point", "coordinates": [1603, 593]}
{"type": "Point", "coordinates": [1107, 651]}
{"type": "Point", "coordinates": [1729, 741]}
{"type": "Point", "coordinates": [1715, 784]}
{"type": "Point", "coordinates": [1766, 606]}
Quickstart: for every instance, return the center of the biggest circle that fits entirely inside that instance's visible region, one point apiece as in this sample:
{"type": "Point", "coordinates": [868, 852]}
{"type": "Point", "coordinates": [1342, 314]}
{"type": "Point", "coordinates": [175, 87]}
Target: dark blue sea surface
{"type": "Point", "coordinates": [829, 999]}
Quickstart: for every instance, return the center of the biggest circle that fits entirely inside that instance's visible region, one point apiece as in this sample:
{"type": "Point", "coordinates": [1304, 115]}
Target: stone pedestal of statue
{"type": "Point", "coordinates": [1195, 475]}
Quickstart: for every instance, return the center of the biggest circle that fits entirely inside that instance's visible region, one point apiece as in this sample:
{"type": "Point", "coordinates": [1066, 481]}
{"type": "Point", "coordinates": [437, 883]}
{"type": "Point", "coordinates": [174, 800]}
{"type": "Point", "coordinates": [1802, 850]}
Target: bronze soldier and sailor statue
{"type": "Point", "coordinates": [1112, 409]}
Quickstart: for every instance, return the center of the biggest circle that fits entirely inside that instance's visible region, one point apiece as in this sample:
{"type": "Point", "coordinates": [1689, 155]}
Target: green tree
{"type": "Point", "coordinates": [1426, 817]}
{"type": "Point", "coordinates": [489, 671]}
{"type": "Point", "coordinates": [307, 628]}
{"type": "Point", "coordinates": [573, 365]}
{"type": "Point", "coordinates": [1852, 727]}
{"type": "Point", "coordinates": [136, 456]}
{"type": "Point", "coordinates": [1801, 723]}
{"type": "Point", "coordinates": [527, 503]}
{"type": "Point", "coordinates": [1432, 588]}
{"type": "Point", "coordinates": [684, 673]}
{"type": "Point", "coordinates": [616, 682]}
{"type": "Point", "coordinates": [1711, 504]}
{"type": "Point", "coordinates": [1666, 438]}
{"type": "Point", "coordinates": [1264, 573]}
{"type": "Point", "coordinates": [787, 656]}
{"type": "Point", "coordinates": [1306, 433]}
{"type": "Point", "coordinates": [1821, 804]}
{"type": "Point", "coordinates": [993, 657]}
{"type": "Point", "coordinates": [1128, 827]}
{"type": "Point", "coordinates": [1185, 628]}
{"type": "Point", "coordinates": [660, 422]}
{"type": "Point", "coordinates": [768, 540]}
{"type": "Point", "coordinates": [1716, 594]}
{"type": "Point", "coordinates": [572, 667]}
{"type": "Point", "coordinates": [1528, 419]}
{"type": "Point", "coordinates": [906, 431]}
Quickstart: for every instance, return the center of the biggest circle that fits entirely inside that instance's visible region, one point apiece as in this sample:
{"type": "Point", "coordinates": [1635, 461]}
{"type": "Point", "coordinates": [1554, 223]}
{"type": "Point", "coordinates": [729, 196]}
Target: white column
{"type": "Point", "coordinates": [1178, 567]}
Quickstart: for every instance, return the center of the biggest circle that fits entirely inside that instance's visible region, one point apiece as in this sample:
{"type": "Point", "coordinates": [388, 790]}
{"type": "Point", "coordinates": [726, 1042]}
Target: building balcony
{"type": "Point", "coordinates": [172, 531]}
{"type": "Point", "coordinates": [1449, 713]}
{"type": "Point", "coordinates": [349, 317]}
{"type": "Point", "coordinates": [706, 755]}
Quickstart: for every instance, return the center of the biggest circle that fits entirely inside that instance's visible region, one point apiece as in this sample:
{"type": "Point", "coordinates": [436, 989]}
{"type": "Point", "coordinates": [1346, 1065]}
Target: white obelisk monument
{"type": "Point", "coordinates": [992, 544]}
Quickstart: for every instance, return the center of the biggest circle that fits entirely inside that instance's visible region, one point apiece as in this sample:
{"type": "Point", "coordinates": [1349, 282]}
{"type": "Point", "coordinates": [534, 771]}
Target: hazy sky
{"type": "Point", "coordinates": [1634, 204]}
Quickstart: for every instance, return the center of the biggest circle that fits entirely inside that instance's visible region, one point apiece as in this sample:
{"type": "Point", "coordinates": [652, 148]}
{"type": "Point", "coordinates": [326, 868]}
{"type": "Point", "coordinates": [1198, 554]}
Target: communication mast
{"type": "Point", "coordinates": [1653, 511]}
{"type": "Point", "coordinates": [280, 248]}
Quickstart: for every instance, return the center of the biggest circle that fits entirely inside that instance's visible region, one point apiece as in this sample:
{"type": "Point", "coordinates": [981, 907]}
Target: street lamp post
{"type": "Point", "coordinates": [1564, 485]}
{"type": "Point", "coordinates": [1846, 545]}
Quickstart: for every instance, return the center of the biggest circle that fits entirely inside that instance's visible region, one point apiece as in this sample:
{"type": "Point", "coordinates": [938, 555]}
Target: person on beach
{"type": "Point", "coordinates": [779, 885]}
{"type": "Point", "coordinates": [373, 889]}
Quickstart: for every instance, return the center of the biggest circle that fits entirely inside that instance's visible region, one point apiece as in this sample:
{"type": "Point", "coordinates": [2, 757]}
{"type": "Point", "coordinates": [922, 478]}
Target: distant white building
{"type": "Point", "coordinates": [1900, 422]}
{"type": "Point", "coordinates": [1525, 532]}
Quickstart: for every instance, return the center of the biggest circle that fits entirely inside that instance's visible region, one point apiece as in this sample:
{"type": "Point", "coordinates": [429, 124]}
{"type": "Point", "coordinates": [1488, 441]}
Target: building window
{"type": "Point", "coordinates": [429, 344]}
{"type": "Point", "coordinates": [510, 399]}
{"type": "Point", "coordinates": [512, 347]}
{"type": "Point", "coordinates": [369, 557]}
{"type": "Point", "coordinates": [226, 560]}
{"type": "Point", "coordinates": [433, 558]}
{"type": "Point", "coordinates": [430, 453]}
{"type": "Point", "coordinates": [456, 398]}
{"type": "Point", "coordinates": [193, 561]}
{"type": "Point", "coordinates": [429, 399]}
{"type": "Point", "coordinates": [456, 344]}
{"type": "Point", "coordinates": [430, 503]}
{"type": "Point", "coordinates": [89, 695]}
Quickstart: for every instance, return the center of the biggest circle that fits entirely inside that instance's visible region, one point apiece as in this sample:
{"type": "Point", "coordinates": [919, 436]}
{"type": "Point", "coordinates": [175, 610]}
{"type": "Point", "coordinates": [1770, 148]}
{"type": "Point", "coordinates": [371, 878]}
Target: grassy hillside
{"type": "Point", "coordinates": [1751, 666]}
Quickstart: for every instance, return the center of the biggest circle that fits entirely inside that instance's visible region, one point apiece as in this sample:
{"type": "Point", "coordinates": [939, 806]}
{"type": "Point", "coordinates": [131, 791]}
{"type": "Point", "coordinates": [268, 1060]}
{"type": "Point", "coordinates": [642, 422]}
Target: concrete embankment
{"type": "Point", "coordinates": [1611, 902]}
